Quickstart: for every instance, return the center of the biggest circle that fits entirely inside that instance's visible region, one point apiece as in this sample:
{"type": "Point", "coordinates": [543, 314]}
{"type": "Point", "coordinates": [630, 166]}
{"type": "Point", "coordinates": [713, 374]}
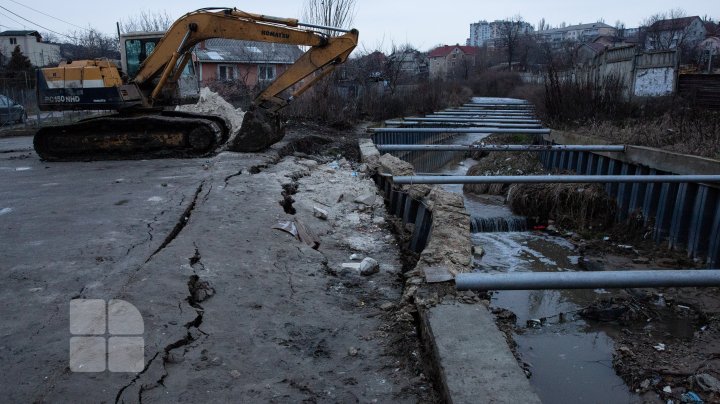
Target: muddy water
{"type": "Point", "coordinates": [570, 359]}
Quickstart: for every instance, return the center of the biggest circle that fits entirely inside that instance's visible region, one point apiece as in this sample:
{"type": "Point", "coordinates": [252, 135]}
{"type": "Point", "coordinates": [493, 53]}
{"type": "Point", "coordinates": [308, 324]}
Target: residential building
{"type": "Point", "coordinates": [408, 65]}
{"type": "Point", "coordinates": [577, 33]}
{"type": "Point", "coordinates": [452, 61]}
{"type": "Point", "coordinates": [31, 45]}
{"type": "Point", "coordinates": [251, 62]}
{"type": "Point", "coordinates": [684, 33]}
{"type": "Point", "coordinates": [483, 32]}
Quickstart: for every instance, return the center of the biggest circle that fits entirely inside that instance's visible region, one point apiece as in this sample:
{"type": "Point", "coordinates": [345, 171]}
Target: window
{"type": "Point", "coordinates": [226, 72]}
{"type": "Point", "coordinates": [266, 72]}
{"type": "Point", "coordinates": [13, 41]}
{"type": "Point", "coordinates": [136, 51]}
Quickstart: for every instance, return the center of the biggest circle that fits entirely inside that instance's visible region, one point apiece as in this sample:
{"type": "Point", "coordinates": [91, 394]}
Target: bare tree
{"type": "Point", "coordinates": [90, 44]}
{"type": "Point", "coordinates": [50, 37]}
{"type": "Point", "coordinates": [330, 13]}
{"type": "Point", "coordinates": [147, 21]}
{"type": "Point", "coordinates": [510, 32]}
{"type": "Point", "coordinates": [543, 25]}
{"type": "Point", "coordinates": [666, 30]}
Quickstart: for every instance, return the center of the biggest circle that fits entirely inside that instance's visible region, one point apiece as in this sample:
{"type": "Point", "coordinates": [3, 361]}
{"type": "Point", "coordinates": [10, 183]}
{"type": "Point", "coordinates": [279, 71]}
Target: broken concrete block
{"type": "Point", "coordinates": [351, 265]}
{"type": "Point", "coordinates": [369, 266]}
{"type": "Point", "coordinates": [367, 199]}
{"type": "Point", "coordinates": [320, 213]}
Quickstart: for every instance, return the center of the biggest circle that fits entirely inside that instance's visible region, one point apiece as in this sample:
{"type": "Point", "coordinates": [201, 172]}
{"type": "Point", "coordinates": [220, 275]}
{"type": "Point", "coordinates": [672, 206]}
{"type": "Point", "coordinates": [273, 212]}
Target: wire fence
{"type": "Point", "coordinates": [22, 93]}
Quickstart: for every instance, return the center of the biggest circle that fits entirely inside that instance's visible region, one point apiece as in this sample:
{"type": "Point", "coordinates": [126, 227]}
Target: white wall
{"type": "Point", "coordinates": [654, 82]}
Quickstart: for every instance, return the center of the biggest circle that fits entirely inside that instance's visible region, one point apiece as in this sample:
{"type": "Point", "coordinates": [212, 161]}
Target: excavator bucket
{"type": "Point", "coordinates": [259, 130]}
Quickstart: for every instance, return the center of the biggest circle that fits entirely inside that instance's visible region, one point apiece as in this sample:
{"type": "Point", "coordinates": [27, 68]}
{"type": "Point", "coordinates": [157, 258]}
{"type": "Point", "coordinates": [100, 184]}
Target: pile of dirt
{"type": "Point", "coordinates": [576, 206]}
{"type": "Point", "coordinates": [212, 103]}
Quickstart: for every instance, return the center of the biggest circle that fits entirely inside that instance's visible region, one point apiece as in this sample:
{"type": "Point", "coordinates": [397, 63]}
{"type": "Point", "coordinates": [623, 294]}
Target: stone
{"type": "Point", "coordinates": [366, 199]}
{"type": "Point", "coordinates": [478, 251]}
{"type": "Point", "coordinates": [387, 306]}
{"type": "Point", "coordinates": [641, 260]}
{"type": "Point", "coordinates": [320, 213]}
{"type": "Point", "coordinates": [707, 382]}
{"type": "Point", "coordinates": [352, 351]}
{"type": "Point", "coordinates": [235, 374]}
{"type": "Point", "coordinates": [351, 265]}
{"type": "Point", "coordinates": [369, 266]}
{"type": "Point", "coordinates": [355, 257]}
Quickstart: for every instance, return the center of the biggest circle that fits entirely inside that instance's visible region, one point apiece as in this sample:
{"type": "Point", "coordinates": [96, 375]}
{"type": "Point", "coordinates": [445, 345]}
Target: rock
{"type": "Point", "coordinates": [378, 220]}
{"type": "Point", "coordinates": [235, 374]}
{"type": "Point", "coordinates": [387, 306]}
{"type": "Point", "coordinates": [478, 251]}
{"type": "Point", "coordinates": [369, 266]}
{"type": "Point", "coordinates": [352, 351]}
{"type": "Point", "coordinates": [320, 213]}
{"type": "Point", "coordinates": [351, 265]}
{"type": "Point", "coordinates": [355, 257]}
{"type": "Point", "coordinates": [645, 384]}
{"type": "Point", "coordinates": [641, 260]}
{"type": "Point", "coordinates": [367, 199]}
{"type": "Point", "coordinates": [363, 168]}
{"type": "Point", "coordinates": [707, 382]}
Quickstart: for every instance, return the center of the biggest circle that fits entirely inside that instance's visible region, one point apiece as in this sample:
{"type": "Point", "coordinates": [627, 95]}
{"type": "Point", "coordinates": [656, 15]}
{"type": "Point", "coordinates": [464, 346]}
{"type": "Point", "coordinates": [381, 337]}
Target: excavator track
{"type": "Point", "coordinates": [117, 137]}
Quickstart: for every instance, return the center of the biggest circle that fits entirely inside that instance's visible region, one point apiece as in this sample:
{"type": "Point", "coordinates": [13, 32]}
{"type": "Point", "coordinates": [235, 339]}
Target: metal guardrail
{"type": "Point", "coordinates": [554, 179]}
{"type": "Point", "coordinates": [494, 147]}
{"type": "Point", "coordinates": [588, 280]}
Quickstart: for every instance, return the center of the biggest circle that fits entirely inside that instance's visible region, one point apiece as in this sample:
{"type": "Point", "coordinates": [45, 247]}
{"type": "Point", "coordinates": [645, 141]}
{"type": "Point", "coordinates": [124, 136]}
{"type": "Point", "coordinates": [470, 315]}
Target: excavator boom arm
{"type": "Point", "coordinates": [324, 53]}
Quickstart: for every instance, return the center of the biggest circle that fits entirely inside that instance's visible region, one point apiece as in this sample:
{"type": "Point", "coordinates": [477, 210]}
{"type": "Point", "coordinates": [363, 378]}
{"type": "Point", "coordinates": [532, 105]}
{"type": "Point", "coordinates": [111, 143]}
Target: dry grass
{"type": "Point", "coordinates": [576, 206]}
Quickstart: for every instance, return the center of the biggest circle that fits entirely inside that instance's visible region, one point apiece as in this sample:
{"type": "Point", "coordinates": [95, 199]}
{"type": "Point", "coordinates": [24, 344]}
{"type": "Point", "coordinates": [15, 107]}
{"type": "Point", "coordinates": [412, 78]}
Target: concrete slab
{"type": "Point", "coordinates": [472, 359]}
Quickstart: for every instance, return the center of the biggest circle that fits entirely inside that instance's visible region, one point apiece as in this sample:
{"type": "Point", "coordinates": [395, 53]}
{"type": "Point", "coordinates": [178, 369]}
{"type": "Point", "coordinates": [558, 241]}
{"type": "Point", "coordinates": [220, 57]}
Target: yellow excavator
{"type": "Point", "coordinates": [145, 125]}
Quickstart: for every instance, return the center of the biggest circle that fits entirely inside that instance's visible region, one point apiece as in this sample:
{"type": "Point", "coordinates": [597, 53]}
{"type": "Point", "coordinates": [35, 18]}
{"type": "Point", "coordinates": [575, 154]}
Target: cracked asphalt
{"type": "Point", "coordinates": [233, 310]}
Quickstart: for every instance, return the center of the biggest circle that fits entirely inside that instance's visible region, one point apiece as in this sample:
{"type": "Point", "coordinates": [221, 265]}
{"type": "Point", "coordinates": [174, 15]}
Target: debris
{"type": "Point", "coordinates": [307, 236]}
{"type": "Point", "coordinates": [352, 351]}
{"type": "Point", "coordinates": [641, 260]}
{"type": "Point", "coordinates": [299, 231]}
{"type": "Point", "coordinates": [437, 275]}
{"type": "Point", "coordinates": [334, 165]}
{"type": "Point", "coordinates": [367, 199]}
{"type": "Point", "coordinates": [355, 257]}
{"type": "Point", "coordinates": [387, 306]}
{"type": "Point", "coordinates": [659, 347]}
{"type": "Point", "coordinates": [707, 382]}
{"type": "Point", "coordinates": [625, 246]}
{"type": "Point", "coordinates": [534, 323]}
{"type": "Point", "coordinates": [320, 213]}
{"type": "Point", "coordinates": [369, 266]}
{"type": "Point", "coordinates": [235, 374]}
{"type": "Point", "coordinates": [606, 238]}
{"type": "Point", "coordinates": [351, 265]}
{"type": "Point", "coordinates": [691, 397]}
{"type": "Point", "coordinates": [378, 220]}
{"type": "Point", "coordinates": [287, 226]}
{"type": "Point", "coordinates": [667, 389]}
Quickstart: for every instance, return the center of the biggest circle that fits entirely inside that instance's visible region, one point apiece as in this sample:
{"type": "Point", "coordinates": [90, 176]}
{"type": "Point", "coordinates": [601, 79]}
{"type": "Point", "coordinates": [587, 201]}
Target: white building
{"type": "Point", "coordinates": [577, 33]}
{"type": "Point", "coordinates": [482, 32]}
{"type": "Point", "coordinates": [31, 45]}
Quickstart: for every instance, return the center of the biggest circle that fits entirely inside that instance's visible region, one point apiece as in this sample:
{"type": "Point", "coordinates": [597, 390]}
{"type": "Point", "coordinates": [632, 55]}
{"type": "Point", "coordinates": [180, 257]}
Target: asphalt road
{"type": "Point", "coordinates": [233, 310]}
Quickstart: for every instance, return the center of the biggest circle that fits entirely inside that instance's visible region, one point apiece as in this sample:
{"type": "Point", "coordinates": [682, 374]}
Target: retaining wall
{"type": "Point", "coordinates": [684, 216]}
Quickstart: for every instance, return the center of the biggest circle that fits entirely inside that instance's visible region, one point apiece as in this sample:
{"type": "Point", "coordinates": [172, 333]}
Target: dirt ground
{"type": "Point", "coordinates": [667, 340]}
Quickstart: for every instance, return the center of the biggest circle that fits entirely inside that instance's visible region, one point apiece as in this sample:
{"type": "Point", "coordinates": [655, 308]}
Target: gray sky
{"type": "Point", "coordinates": [382, 23]}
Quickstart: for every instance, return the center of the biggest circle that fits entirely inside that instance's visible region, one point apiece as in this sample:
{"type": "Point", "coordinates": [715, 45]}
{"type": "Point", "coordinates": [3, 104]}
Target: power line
{"type": "Point", "coordinates": [36, 24]}
{"type": "Point", "coordinates": [48, 15]}
{"type": "Point", "coordinates": [15, 21]}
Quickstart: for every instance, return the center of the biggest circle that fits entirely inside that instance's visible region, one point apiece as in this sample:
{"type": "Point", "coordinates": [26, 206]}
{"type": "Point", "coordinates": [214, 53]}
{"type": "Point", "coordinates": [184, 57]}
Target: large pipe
{"type": "Point", "coordinates": [494, 147]}
{"type": "Point", "coordinates": [552, 179]}
{"type": "Point", "coordinates": [461, 130]}
{"type": "Point", "coordinates": [473, 120]}
{"type": "Point", "coordinates": [588, 280]}
{"type": "Point", "coordinates": [481, 113]}
{"type": "Point", "coordinates": [493, 124]}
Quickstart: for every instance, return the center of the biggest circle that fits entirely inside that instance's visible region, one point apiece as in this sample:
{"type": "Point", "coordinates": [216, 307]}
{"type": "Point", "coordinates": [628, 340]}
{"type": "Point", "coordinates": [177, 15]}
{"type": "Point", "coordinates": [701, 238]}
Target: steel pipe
{"type": "Point", "coordinates": [472, 120]}
{"type": "Point", "coordinates": [482, 113]}
{"type": "Point", "coordinates": [553, 179]}
{"type": "Point", "coordinates": [588, 280]}
{"type": "Point", "coordinates": [461, 130]}
{"type": "Point", "coordinates": [468, 124]}
{"type": "Point", "coordinates": [493, 147]}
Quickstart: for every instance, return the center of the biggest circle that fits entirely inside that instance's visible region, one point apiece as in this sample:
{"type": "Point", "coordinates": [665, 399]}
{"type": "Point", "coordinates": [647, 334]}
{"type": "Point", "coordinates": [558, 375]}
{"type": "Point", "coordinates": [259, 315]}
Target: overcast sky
{"type": "Point", "coordinates": [382, 23]}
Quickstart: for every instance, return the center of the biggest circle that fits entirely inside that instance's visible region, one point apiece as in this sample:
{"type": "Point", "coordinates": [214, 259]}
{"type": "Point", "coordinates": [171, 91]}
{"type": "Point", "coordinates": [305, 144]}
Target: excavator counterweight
{"type": "Point", "coordinates": [143, 126]}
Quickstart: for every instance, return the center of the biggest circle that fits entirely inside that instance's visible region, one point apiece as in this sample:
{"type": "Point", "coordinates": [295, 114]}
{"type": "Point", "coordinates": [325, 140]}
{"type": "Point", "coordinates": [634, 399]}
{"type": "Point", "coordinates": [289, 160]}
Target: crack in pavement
{"type": "Point", "coordinates": [137, 376]}
{"type": "Point", "coordinates": [182, 222]}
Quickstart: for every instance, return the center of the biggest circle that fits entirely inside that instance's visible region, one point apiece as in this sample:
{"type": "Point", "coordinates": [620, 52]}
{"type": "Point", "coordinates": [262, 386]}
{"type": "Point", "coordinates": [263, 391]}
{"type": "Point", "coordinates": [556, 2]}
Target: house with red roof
{"type": "Point", "coordinates": [452, 61]}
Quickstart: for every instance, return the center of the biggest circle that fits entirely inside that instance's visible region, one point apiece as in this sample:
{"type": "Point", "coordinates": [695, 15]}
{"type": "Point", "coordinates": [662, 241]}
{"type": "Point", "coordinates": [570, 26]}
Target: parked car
{"type": "Point", "coordinates": [11, 111]}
